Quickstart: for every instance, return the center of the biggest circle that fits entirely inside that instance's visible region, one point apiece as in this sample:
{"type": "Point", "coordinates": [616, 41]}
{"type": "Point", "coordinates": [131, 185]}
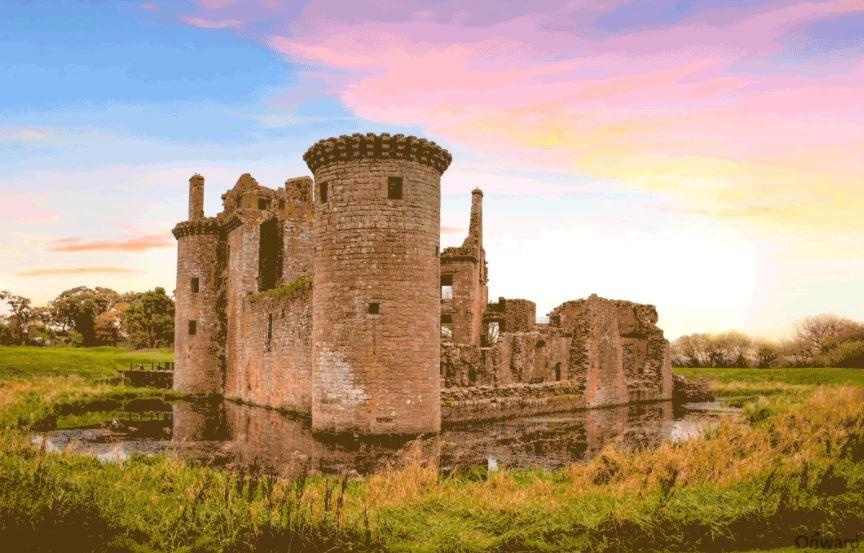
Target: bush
{"type": "Point", "coordinates": [847, 354]}
{"type": "Point", "coordinates": [6, 337]}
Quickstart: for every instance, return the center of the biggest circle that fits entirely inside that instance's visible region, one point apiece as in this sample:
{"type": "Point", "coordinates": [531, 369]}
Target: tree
{"type": "Point", "coordinates": [149, 319]}
{"type": "Point", "coordinates": [766, 354]}
{"type": "Point", "coordinates": [6, 336]}
{"type": "Point", "coordinates": [78, 309]}
{"type": "Point", "coordinates": [820, 333]}
{"type": "Point", "coordinates": [19, 317]}
{"type": "Point", "coordinates": [848, 354]}
{"type": "Point", "coordinates": [108, 327]}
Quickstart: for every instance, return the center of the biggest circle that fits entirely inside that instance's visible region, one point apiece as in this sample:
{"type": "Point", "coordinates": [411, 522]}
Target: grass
{"type": "Point", "coordinates": [289, 290]}
{"type": "Point", "coordinates": [38, 385]}
{"type": "Point", "coordinates": [797, 468]}
{"type": "Point", "coordinates": [793, 376]}
{"type": "Point", "coordinates": [792, 465]}
{"type": "Point", "coordinates": [91, 364]}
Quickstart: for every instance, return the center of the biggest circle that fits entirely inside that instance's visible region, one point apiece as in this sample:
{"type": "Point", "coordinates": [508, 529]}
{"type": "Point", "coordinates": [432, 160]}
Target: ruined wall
{"type": "Point", "coordinates": [376, 299]}
{"type": "Point", "coordinates": [272, 365]}
{"type": "Point", "coordinates": [268, 341]}
{"type": "Point", "coordinates": [297, 243]}
{"type": "Point", "coordinates": [596, 352]}
{"type": "Point", "coordinates": [461, 307]}
{"type": "Point", "coordinates": [196, 356]}
{"type": "Point", "coordinates": [465, 268]}
{"type": "Point", "coordinates": [620, 349]}
{"type": "Point", "coordinates": [242, 280]}
{"type": "Point", "coordinates": [512, 315]}
{"type": "Point", "coordinates": [517, 358]}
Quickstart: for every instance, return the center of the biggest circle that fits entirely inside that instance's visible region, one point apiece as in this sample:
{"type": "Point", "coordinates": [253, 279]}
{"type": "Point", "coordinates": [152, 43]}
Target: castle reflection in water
{"type": "Point", "coordinates": [240, 436]}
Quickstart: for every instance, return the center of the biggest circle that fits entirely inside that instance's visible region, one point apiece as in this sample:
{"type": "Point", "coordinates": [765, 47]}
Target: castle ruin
{"type": "Point", "coordinates": [330, 297]}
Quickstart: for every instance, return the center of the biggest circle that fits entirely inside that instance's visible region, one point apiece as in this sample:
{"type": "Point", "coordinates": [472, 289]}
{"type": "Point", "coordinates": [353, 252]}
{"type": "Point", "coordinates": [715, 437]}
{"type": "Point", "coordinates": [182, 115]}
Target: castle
{"type": "Point", "coordinates": [330, 297]}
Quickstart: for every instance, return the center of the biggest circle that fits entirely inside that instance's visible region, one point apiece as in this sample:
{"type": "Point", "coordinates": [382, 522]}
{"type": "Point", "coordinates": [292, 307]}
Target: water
{"type": "Point", "coordinates": [240, 436]}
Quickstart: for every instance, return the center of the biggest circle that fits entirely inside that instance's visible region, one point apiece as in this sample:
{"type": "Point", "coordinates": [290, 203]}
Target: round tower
{"type": "Point", "coordinates": [376, 300]}
{"type": "Point", "coordinates": [196, 322]}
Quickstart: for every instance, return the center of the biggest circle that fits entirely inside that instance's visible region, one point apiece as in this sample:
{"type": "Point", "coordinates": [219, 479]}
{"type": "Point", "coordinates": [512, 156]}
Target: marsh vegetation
{"type": "Point", "coordinates": [792, 465]}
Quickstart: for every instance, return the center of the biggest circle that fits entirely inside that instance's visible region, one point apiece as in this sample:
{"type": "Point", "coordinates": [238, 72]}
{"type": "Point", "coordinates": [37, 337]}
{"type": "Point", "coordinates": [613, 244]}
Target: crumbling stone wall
{"type": "Point", "coordinates": [376, 300]}
{"type": "Point", "coordinates": [298, 249]}
{"type": "Point", "coordinates": [465, 268]}
{"type": "Point", "coordinates": [362, 350]}
{"type": "Point", "coordinates": [604, 352]}
{"type": "Point", "coordinates": [512, 315]}
{"type": "Point", "coordinates": [273, 361]}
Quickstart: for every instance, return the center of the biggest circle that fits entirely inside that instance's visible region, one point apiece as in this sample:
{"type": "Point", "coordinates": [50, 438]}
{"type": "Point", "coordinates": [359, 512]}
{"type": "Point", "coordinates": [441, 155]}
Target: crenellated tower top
{"type": "Point", "coordinates": [377, 146]}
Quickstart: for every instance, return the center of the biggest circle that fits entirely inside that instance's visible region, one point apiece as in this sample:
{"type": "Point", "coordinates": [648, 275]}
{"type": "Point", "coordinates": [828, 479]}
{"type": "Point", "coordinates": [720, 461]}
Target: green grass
{"type": "Point", "coordinates": [748, 485]}
{"type": "Point", "coordinates": [24, 362]}
{"type": "Point", "coordinates": [794, 376]}
{"type": "Point", "coordinates": [38, 385]}
{"type": "Point", "coordinates": [792, 464]}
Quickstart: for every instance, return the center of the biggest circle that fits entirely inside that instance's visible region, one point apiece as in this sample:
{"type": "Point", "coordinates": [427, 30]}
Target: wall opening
{"type": "Point", "coordinates": [446, 326]}
{"type": "Point", "coordinates": [322, 192]}
{"type": "Point", "coordinates": [374, 309]}
{"type": "Point", "coordinates": [193, 328]}
{"type": "Point", "coordinates": [394, 188]}
{"type": "Point", "coordinates": [446, 287]}
{"type": "Point", "coordinates": [269, 342]}
{"type": "Point", "coordinates": [263, 203]}
{"type": "Point", "coordinates": [493, 330]}
{"type": "Point", "coordinates": [195, 285]}
{"type": "Point", "coordinates": [558, 372]}
{"type": "Point", "coordinates": [269, 255]}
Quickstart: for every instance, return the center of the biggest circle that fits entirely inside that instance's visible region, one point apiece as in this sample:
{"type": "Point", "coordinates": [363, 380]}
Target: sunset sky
{"type": "Point", "coordinates": [703, 156]}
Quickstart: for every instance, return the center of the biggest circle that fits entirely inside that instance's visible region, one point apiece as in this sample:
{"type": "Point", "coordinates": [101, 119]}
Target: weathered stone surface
{"type": "Point", "coordinates": [360, 348]}
{"type": "Point", "coordinates": [465, 269]}
{"type": "Point", "coordinates": [686, 390]}
{"type": "Point", "coordinates": [376, 299]}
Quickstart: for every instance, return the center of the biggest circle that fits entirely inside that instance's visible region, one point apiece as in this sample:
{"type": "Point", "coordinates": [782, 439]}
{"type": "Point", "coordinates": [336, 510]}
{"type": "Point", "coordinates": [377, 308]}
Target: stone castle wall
{"type": "Point", "coordinates": [324, 297]}
{"type": "Point", "coordinates": [273, 361]}
{"type": "Point", "coordinates": [196, 356]}
{"type": "Point", "coordinates": [376, 298]}
{"type": "Point", "coordinates": [594, 353]}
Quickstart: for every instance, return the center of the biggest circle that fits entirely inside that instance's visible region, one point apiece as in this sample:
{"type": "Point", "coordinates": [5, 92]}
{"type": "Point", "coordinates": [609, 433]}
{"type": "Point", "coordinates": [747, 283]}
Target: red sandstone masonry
{"type": "Point", "coordinates": [196, 357]}
{"type": "Point", "coordinates": [328, 353]}
{"type": "Point", "coordinates": [376, 373]}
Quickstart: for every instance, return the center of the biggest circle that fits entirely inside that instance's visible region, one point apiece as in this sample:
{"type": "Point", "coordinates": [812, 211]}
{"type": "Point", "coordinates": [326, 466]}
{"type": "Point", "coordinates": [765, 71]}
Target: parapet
{"type": "Point", "coordinates": [377, 146]}
{"type": "Point", "coordinates": [208, 225]}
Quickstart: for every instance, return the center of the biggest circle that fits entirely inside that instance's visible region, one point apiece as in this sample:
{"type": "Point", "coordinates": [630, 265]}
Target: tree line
{"type": "Point", "coordinates": [90, 317]}
{"type": "Point", "coordinates": [818, 341]}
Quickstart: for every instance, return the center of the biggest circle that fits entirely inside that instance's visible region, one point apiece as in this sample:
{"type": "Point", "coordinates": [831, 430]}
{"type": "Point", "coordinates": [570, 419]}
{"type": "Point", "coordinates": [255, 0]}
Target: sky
{"type": "Point", "coordinates": [706, 157]}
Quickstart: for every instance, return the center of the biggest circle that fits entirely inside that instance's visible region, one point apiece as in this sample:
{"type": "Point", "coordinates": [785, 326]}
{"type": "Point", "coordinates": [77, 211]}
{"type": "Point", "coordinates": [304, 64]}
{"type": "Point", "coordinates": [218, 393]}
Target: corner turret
{"type": "Point", "coordinates": [196, 197]}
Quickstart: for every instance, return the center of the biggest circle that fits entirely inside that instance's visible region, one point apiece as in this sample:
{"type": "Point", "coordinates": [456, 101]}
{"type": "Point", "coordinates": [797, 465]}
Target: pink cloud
{"type": "Point", "coordinates": [74, 271]}
{"type": "Point", "coordinates": [135, 244]}
{"type": "Point", "coordinates": [700, 107]}
{"type": "Point", "coordinates": [151, 6]}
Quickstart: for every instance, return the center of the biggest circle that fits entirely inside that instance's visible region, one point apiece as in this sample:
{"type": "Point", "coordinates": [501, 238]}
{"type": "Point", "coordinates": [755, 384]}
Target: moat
{"type": "Point", "coordinates": [243, 437]}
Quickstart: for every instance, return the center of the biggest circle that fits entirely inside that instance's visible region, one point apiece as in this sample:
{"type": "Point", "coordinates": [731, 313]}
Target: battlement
{"type": "Point", "coordinates": [208, 225]}
{"type": "Point", "coordinates": [377, 146]}
{"type": "Point", "coordinates": [391, 317]}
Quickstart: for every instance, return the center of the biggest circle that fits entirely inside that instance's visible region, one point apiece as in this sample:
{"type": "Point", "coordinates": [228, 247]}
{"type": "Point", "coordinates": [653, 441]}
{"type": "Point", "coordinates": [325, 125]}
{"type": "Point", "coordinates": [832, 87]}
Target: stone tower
{"type": "Point", "coordinates": [196, 320]}
{"type": "Point", "coordinates": [375, 296]}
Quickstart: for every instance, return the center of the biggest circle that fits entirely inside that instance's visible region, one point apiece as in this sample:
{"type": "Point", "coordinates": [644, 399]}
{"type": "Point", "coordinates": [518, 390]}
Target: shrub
{"type": "Point", "coordinates": [846, 354]}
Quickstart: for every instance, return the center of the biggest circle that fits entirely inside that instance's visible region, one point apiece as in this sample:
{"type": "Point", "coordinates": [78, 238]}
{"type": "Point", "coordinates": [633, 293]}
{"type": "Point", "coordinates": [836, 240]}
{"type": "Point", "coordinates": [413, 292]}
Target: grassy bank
{"type": "Point", "coordinates": [91, 364]}
{"type": "Point", "coordinates": [39, 384]}
{"type": "Point", "coordinates": [787, 469]}
{"type": "Point", "coordinates": [790, 376]}
{"type": "Point", "coordinates": [792, 465]}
